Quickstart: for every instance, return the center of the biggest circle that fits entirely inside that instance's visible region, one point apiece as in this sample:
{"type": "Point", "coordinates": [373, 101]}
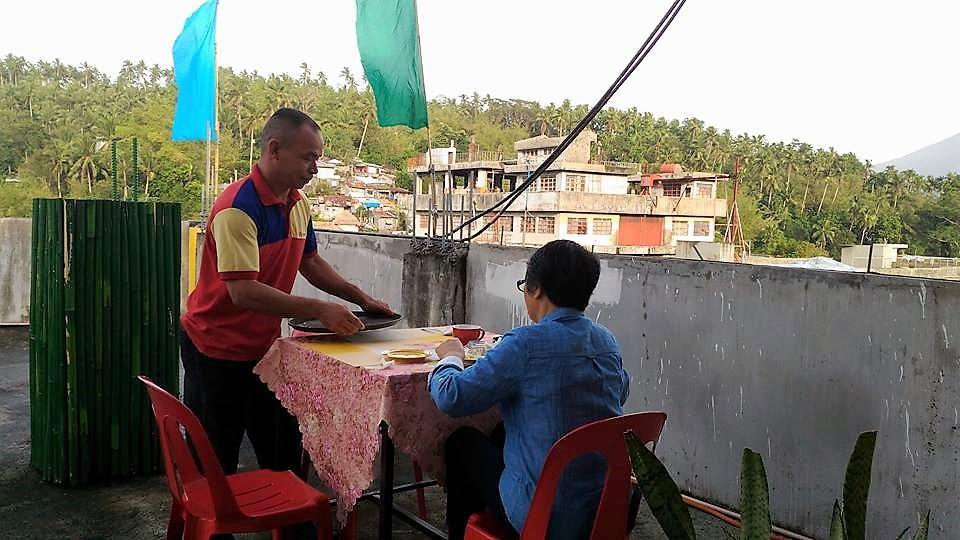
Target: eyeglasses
{"type": "Point", "coordinates": [522, 285]}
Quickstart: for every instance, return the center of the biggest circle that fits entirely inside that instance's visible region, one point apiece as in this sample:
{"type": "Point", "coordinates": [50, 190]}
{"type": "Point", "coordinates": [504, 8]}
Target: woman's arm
{"type": "Point", "coordinates": [493, 378]}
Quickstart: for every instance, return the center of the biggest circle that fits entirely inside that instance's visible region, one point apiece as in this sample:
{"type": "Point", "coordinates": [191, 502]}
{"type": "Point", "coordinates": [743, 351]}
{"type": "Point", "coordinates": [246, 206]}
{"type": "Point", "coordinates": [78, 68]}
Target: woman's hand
{"type": "Point", "coordinates": [451, 347]}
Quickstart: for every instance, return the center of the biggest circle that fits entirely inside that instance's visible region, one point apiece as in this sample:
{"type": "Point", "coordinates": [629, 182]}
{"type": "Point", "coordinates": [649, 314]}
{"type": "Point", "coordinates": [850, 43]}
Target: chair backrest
{"type": "Point", "coordinates": [603, 437]}
{"type": "Point", "coordinates": [180, 430]}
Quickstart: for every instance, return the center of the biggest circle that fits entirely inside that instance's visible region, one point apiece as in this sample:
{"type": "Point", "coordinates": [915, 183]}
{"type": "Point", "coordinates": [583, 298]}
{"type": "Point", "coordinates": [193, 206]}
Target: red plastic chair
{"type": "Point", "coordinates": [209, 502]}
{"type": "Point", "coordinates": [604, 437]}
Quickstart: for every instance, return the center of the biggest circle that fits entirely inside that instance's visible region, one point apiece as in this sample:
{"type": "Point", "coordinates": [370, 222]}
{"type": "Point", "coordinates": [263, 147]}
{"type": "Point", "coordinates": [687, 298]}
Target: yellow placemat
{"type": "Point", "coordinates": [366, 349]}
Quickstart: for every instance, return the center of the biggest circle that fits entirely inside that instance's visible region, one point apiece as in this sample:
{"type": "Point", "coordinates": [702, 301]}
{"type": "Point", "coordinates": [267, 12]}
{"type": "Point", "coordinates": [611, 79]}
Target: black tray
{"type": "Point", "coordinates": [371, 321]}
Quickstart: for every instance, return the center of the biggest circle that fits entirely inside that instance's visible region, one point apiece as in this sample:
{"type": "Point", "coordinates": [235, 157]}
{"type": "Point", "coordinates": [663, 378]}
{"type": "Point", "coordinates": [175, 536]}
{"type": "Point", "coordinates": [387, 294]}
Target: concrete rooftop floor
{"type": "Point", "coordinates": [137, 509]}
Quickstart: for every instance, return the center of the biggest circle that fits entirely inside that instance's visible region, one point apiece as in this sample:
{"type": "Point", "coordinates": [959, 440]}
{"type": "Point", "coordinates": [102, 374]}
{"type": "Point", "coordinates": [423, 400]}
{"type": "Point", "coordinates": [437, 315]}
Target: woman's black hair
{"type": "Point", "coordinates": [565, 272]}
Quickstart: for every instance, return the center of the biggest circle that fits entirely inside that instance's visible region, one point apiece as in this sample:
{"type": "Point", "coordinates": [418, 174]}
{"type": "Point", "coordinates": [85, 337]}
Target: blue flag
{"type": "Point", "coordinates": [195, 70]}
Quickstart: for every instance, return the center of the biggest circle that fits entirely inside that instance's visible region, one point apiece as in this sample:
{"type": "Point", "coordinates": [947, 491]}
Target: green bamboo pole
{"type": "Point", "coordinates": [88, 398]}
{"type": "Point", "coordinates": [59, 373]}
{"type": "Point", "coordinates": [71, 335]}
{"type": "Point", "coordinates": [136, 173]}
{"type": "Point", "coordinates": [152, 326]}
{"type": "Point", "coordinates": [49, 336]}
{"type": "Point", "coordinates": [116, 329]}
{"type": "Point", "coordinates": [101, 315]}
{"type": "Point", "coordinates": [37, 344]}
{"type": "Point", "coordinates": [35, 231]}
{"type": "Point", "coordinates": [115, 190]}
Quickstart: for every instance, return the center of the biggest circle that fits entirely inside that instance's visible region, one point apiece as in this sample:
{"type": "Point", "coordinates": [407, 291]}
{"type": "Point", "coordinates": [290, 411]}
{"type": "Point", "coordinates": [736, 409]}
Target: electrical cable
{"type": "Point", "coordinates": [505, 203]}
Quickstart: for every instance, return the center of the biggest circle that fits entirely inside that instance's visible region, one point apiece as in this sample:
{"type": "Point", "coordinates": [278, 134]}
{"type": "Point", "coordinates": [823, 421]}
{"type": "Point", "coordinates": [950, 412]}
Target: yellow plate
{"type": "Point", "coordinates": [407, 356]}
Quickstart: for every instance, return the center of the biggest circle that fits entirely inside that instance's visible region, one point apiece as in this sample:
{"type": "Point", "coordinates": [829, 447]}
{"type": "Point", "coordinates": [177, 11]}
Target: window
{"type": "Point", "coordinates": [502, 226]}
{"type": "Point", "coordinates": [491, 234]}
{"type": "Point", "coordinates": [547, 183]}
{"type": "Point", "coordinates": [424, 221]}
{"type": "Point", "coordinates": [546, 225]}
{"type": "Point", "coordinates": [681, 228]}
{"type": "Point", "coordinates": [593, 185]}
{"type": "Point", "coordinates": [701, 228]}
{"type": "Point", "coordinates": [530, 224]}
{"type": "Point", "coordinates": [704, 190]}
{"type": "Point", "coordinates": [577, 225]}
{"type": "Point", "coordinates": [671, 190]}
{"type": "Point", "coordinates": [602, 226]}
{"type": "Point", "coordinates": [576, 182]}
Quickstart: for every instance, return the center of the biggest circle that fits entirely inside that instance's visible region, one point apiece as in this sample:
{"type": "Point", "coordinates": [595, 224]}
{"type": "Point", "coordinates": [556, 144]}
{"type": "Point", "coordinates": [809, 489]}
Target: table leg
{"type": "Point", "coordinates": [386, 483]}
{"type": "Point", "coordinates": [349, 531]}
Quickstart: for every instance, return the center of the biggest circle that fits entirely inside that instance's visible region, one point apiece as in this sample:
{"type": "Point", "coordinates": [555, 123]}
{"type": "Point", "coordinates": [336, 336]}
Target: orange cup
{"type": "Point", "coordinates": [467, 332]}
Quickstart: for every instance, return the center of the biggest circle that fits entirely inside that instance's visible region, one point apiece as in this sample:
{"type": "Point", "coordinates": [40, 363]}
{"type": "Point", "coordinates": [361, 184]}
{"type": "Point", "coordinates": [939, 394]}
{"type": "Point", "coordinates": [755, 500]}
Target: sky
{"type": "Point", "coordinates": [875, 77]}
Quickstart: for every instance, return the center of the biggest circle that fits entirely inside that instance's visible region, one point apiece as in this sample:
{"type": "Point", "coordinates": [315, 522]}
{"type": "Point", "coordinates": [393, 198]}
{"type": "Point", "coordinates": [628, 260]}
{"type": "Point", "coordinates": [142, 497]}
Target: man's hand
{"type": "Point", "coordinates": [451, 347]}
{"type": "Point", "coordinates": [338, 318]}
{"type": "Point", "coordinates": [371, 305]}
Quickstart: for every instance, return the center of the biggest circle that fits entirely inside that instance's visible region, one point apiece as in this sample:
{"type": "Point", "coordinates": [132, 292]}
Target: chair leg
{"type": "Point", "coordinates": [175, 523]}
{"type": "Point", "coordinates": [421, 500]}
{"type": "Point", "coordinates": [194, 530]}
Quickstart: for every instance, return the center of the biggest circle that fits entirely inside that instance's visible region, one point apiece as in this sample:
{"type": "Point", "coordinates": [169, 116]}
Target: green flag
{"type": "Point", "coordinates": [389, 44]}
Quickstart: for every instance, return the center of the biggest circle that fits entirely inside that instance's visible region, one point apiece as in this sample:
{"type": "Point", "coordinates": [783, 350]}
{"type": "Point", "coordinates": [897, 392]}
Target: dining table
{"type": "Point", "coordinates": [353, 405]}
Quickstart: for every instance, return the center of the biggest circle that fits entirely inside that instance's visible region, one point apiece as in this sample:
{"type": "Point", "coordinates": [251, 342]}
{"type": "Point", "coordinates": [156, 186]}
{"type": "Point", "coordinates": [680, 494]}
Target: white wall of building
{"type": "Point", "coordinates": [692, 229]}
{"type": "Point", "coordinates": [594, 236]}
{"type": "Point", "coordinates": [594, 182]}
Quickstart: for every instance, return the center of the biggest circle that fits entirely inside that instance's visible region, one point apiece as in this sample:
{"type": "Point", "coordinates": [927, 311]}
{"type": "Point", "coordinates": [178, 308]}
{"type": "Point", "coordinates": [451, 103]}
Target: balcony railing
{"type": "Point", "coordinates": [461, 157]}
{"type": "Point", "coordinates": [620, 165]}
{"type": "Point", "coordinates": [482, 155]}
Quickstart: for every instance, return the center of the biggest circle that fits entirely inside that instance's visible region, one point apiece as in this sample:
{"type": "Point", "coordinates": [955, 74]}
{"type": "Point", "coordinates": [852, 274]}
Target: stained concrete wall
{"type": "Point", "coordinates": [372, 262]}
{"type": "Point", "coordinates": [791, 363]}
{"type": "Point", "coordinates": [15, 249]}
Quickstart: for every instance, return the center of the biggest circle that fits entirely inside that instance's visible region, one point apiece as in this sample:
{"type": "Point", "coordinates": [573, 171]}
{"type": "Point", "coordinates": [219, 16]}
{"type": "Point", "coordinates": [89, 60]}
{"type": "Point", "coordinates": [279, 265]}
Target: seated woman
{"type": "Point", "coordinates": [548, 378]}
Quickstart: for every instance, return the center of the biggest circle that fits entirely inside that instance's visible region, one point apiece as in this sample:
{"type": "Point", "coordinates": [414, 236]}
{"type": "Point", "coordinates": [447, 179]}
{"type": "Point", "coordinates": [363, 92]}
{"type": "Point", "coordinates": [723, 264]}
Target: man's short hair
{"type": "Point", "coordinates": [565, 272]}
{"type": "Point", "coordinates": [284, 122]}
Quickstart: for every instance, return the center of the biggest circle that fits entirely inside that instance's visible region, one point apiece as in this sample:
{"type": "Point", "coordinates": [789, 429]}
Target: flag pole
{"type": "Point", "coordinates": [215, 180]}
{"type": "Point", "coordinates": [205, 194]}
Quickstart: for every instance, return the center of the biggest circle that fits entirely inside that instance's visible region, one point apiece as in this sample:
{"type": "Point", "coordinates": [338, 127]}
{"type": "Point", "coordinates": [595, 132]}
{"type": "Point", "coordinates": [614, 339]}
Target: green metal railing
{"type": "Point", "coordinates": [105, 300]}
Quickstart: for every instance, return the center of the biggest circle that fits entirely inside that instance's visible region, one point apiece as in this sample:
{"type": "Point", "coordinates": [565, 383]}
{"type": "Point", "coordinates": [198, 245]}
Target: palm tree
{"type": "Point", "coordinates": [825, 232]}
{"type": "Point", "coordinates": [84, 169]}
{"type": "Point", "coordinates": [349, 82]}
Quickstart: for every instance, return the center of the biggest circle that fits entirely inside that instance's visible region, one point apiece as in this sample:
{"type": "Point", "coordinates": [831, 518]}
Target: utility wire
{"type": "Point", "coordinates": [635, 62]}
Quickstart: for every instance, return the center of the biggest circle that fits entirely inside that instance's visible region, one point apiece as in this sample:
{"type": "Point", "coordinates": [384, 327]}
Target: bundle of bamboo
{"type": "Point", "coordinates": [104, 307]}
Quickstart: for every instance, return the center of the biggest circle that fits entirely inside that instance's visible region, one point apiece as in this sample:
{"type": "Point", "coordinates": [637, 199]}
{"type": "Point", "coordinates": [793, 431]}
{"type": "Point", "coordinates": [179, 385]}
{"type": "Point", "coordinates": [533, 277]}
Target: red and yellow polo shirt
{"type": "Point", "coordinates": [251, 234]}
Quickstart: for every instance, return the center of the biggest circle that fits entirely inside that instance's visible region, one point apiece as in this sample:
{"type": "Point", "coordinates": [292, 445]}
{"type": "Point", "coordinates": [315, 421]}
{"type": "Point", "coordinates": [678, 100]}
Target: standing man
{"type": "Point", "coordinates": [259, 235]}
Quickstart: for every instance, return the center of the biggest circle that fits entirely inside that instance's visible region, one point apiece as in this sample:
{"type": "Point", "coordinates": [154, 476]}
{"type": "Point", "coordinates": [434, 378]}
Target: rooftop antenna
{"type": "Point", "coordinates": [734, 229]}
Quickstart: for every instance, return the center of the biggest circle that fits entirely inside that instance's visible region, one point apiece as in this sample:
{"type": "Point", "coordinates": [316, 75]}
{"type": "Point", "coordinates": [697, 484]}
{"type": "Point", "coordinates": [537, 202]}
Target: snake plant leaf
{"type": "Point", "coordinates": [660, 491]}
{"type": "Point", "coordinates": [856, 486]}
{"type": "Point", "coordinates": [754, 497]}
{"type": "Point", "coordinates": [921, 533]}
{"type": "Point", "coordinates": [836, 523]}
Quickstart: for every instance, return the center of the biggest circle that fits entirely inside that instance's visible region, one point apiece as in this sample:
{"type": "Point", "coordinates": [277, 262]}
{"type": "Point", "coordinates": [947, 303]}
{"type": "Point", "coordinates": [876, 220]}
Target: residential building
{"type": "Point", "coordinates": [326, 208]}
{"type": "Point", "coordinates": [610, 206]}
{"type": "Point", "coordinates": [327, 172]}
{"type": "Point", "coordinates": [343, 221]}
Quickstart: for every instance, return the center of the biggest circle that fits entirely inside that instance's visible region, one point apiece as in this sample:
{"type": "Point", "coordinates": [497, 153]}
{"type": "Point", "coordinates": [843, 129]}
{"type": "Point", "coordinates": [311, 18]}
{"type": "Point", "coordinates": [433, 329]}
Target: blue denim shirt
{"type": "Point", "coordinates": [548, 379]}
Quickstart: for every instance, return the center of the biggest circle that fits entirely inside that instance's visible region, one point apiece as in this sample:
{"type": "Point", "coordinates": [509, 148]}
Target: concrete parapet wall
{"type": "Point", "coordinates": [15, 256]}
{"type": "Point", "coordinates": [791, 363]}
{"type": "Point", "coordinates": [373, 263]}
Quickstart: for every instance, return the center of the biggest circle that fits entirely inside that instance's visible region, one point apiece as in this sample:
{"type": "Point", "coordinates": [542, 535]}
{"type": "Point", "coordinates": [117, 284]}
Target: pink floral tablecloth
{"type": "Point", "coordinates": [340, 392]}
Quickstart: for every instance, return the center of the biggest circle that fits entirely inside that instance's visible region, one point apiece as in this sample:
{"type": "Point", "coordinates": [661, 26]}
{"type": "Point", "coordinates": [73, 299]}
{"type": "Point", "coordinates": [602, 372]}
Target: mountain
{"type": "Point", "coordinates": [937, 159]}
